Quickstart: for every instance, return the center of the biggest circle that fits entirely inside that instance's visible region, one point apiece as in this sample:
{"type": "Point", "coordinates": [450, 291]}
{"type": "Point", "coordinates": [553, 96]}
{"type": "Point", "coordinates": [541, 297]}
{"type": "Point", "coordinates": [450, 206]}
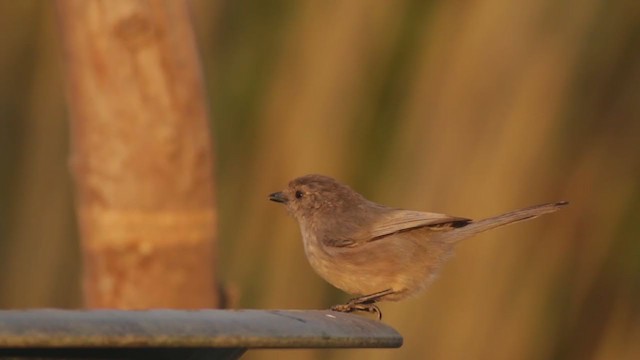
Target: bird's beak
{"type": "Point", "coordinates": [278, 197]}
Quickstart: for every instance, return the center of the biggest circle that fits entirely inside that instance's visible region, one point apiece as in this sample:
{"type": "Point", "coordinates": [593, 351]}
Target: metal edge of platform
{"type": "Point", "coordinates": [190, 329]}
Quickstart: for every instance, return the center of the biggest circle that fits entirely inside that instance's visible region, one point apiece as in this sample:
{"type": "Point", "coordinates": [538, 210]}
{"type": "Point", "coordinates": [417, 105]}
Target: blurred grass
{"type": "Point", "coordinates": [38, 247]}
{"type": "Point", "coordinates": [464, 108]}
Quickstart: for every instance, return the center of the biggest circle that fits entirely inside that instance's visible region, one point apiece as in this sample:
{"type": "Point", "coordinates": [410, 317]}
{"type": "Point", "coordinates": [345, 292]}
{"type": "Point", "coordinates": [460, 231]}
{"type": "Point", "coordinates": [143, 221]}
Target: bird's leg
{"type": "Point", "coordinates": [364, 303]}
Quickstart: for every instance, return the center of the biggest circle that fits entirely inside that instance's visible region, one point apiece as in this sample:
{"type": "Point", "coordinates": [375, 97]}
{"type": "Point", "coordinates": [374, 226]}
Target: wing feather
{"type": "Point", "coordinates": [395, 221]}
{"type": "Point", "coordinates": [402, 220]}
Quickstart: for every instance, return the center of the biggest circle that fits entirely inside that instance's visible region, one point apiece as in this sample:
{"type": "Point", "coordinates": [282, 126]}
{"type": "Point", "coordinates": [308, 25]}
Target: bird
{"type": "Point", "coordinates": [375, 252]}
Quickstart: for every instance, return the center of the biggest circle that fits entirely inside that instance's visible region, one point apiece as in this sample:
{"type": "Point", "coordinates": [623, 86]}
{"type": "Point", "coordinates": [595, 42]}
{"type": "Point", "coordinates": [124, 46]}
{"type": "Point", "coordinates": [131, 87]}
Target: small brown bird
{"type": "Point", "coordinates": [374, 251]}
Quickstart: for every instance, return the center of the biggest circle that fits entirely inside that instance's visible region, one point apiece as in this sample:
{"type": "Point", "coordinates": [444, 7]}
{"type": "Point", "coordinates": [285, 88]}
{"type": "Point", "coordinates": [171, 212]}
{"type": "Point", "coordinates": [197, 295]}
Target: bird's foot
{"type": "Point", "coordinates": [353, 306]}
{"type": "Point", "coordinates": [365, 303]}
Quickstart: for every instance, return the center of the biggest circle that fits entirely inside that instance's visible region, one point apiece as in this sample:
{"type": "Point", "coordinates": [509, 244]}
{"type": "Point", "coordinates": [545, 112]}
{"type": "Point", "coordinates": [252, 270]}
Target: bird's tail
{"type": "Point", "coordinates": [475, 227]}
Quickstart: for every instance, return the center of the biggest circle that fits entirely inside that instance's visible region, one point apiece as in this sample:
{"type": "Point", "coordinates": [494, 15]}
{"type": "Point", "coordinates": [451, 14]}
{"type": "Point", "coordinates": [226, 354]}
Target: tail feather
{"type": "Point", "coordinates": [475, 227]}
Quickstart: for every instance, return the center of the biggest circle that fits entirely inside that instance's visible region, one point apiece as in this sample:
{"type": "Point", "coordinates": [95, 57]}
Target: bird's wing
{"type": "Point", "coordinates": [402, 220]}
{"type": "Point", "coordinates": [396, 221]}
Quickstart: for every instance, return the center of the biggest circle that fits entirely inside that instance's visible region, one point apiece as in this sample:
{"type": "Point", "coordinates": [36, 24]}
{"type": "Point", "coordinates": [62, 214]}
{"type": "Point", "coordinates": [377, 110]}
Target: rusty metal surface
{"type": "Point", "coordinates": [198, 329]}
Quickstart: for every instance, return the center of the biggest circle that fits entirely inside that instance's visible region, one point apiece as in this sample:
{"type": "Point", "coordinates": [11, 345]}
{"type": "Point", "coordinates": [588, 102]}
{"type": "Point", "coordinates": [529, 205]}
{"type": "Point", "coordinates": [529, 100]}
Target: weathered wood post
{"type": "Point", "coordinates": [141, 154]}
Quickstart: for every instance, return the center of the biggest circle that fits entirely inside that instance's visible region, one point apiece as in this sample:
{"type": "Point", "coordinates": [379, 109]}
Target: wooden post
{"type": "Point", "coordinates": [141, 154]}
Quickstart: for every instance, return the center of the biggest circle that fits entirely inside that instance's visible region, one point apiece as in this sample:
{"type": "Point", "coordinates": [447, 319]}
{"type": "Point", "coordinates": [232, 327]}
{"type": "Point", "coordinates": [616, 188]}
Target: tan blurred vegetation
{"type": "Point", "coordinates": [467, 108]}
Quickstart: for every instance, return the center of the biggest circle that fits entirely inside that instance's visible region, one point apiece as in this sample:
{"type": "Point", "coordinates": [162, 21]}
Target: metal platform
{"type": "Point", "coordinates": [179, 334]}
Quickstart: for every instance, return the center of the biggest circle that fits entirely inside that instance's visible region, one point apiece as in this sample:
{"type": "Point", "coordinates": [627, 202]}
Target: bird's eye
{"type": "Point", "coordinates": [299, 194]}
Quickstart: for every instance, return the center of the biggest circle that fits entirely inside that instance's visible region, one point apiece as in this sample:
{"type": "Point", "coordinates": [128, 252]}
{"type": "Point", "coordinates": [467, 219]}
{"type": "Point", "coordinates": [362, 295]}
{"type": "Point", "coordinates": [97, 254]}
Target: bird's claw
{"type": "Point", "coordinates": [352, 306]}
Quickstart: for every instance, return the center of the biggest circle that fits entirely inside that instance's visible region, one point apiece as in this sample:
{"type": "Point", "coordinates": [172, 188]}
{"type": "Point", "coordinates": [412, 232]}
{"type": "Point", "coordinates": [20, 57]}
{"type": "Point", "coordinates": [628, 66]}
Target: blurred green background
{"type": "Point", "coordinates": [467, 108]}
